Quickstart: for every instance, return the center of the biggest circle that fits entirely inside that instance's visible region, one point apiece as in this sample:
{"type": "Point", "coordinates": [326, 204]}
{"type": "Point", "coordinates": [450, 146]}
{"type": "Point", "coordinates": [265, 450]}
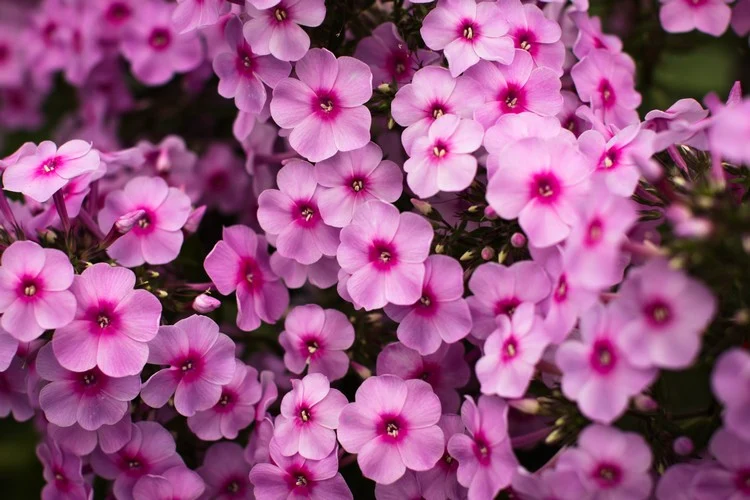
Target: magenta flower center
{"type": "Point", "coordinates": [245, 62]}
{"type": "Point", "coordinates": [392, 428]}
{"type": "Point", "coordinates": [250, 275]}
{"type": "Point", "coordinates": [50, 165]}
{"type": "Point", "coordinates": [437, 110]}
{"type": "Point", "coordinates": [607, 475]}
{"type": "Point", "coordinates": [4, 53]}
{"type": "Point", "coordinates": [509, 349]}
{"type": "Point", "coordinates": [603, 357]}
{"type": "Point", "coordinates": [307, 214]}
{"type": "Point", "coordinates": [742, 481]}
{"type": "Point", "coordinates": [280, 14]}
{"type": "Point", "coordinates": [607, 93]}
{"type": "Point", "coordinates": [594, 232]}
{"type": "Point", "coordinates": [398, 63]}
{"type": "Point", "coordinates": [609, 160]}
{"type": "Point", "coordinates": [468, 30]}
{"type": "Point", "coordinates": [145, 224]}
{"type": "Point", "coordinates": [482, 449]}
{"type": "Point", "coordinates": [658, 312]}
{"type": "Point", "coordinates": [525, 40]}
{"type": "Point", "coordinates": [561, 291]}
{"type": "Point", "coordinates": [160, 39]}
{"type": "Point", "coordinates": [545, 187]}
{"type": "Point", "coordinates": [325, 105]}
{"type": "Point", "coordinates": [383, 255]}
{"type": "Point", "coordinates": [506, 306]}
{"type": "Point", "coordinates": [357, 184]}
{"type": "Point", "coordinates": [304, 414]}
{"type": "Point", "coordinates": [190, 367]}
{"type": "Point", "coordinates": [233, 485]}
{"type": "Point", "coordinates": [439, 149]}
{"type": "Point", "coordinates": [118, 12]}
{"type": "Point", "coordinates": [29, 288]}
{"type": "Point", "coordinates": [512, 99]}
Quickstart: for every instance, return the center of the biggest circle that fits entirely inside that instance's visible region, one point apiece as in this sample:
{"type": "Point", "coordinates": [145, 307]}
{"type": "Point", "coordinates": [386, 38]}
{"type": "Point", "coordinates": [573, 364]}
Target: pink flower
{"type": "Point", "coordinates": [349, 179]}
{"type": "Point", "coordinates": [235, 409]}
{"type": "Point", "coordinates": [225, 472]}
{"type": "Point", "coordinates": [176, 483]}
{"type": "Point", "coordinates": [219, 180]}
{"type": "Point", "coordinates": [322, 274]}
{"type": "Point", "coordinates": [296, 477]}
{"type": "Point", "coordinates": [316, 338]}
{"type": "Point", "coordinates": [610, 463]}
{"type": "Point", "coordinates": [441, 314]}
{"type": "Point", "coordinates": [667, 312]}
{"type": "Point", "coordinates": [731, 374]}
{"type": "Point", "coordinates": [384, 252]}
{"type": "Point", "coordinates": [598, 373]}
{"type": "Point", "coordinates": [446, 370]}
{"type": "Point", "coordinates": [443, 160]}
{"type": "Point", "coordinates": [540, 182]}
{"type": "Point", "coordinates": [34, 296]}
{"type": "Point", "coordinates": [433, 93]}
{"type": "Point", "coordinates": [511, 353]}
{"type": "Point", "coordinates": [392, 426]}
{"type": "Point", "coordinates": [157, 236]}
{"type": "Point", "coordinates": [708, 16]}
{"type": "Point", "coordinates": [729, 480]}
{"type": "Point", "coordinates": [606, 81]}
{"type": "Point", "coordinates": [680, 124]}
{"type": "Point", "coordinates": [242, 73]}
{"type": "Point", "coordinates": [591, 37]}
{"type": "Point", "coordinates": [325, 107]}
{"type": "Point", "coordinates": [309, 417]}
{"type": "Point", "coordinates": [593, 256]}
{"type": "Point", "coordinates": [615, 157]}
{"type": "Point", "coordinates": [112, 325]}
{"type": "Point", "coordinates": [410, 485]}
{"type": "Point", "coordinates": [547, 483]}
{"type": "Point", "coordinates": [276, 30]}
{"type": "Point", "coordinates": [441, 482]}
{"type": "Point", "coordinates": [49, 169]}
{"type": "Point", "coordinates": [76, 439]}
{"type": "Point", "coordinates": [467, 31]}
{"type": "Point", "coordinates": [154, 48]}
{"type": "Point", "coordinates": [728, 133]}
{"type": "Point", "coordinates": [389, 57]}
{"type": "Point", "coordinates": [14, 391]}
{"type": "Point", "coordinates": [200, 360]}
{"type": "Point", "coordinates": [291, 214]}
{"type": "Point", "coordinates": [90, 399]}
{"type": "Point", "coordinates": [534, 33]}
{"type": "Point", "coordinates": [240, 262]}
{"type": "Point", "coordinates": [8, 349]}
{"type": "Point", "coordinates": [516, 88]}
{"type": "Point", "coordinates": [193, 14]}
{"type": "Point", "coordinates": [151, 450]}
{"type": "Point", "coordinates": [500, 290]}
{"type": "Point", "coordinates": [485, 459]}
{"type": "Point", "coordinates": [62, 472]}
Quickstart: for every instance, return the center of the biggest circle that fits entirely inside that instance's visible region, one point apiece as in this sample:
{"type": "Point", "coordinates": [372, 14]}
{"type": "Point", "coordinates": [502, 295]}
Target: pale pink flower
{"type": "Point", "coordinates": [225, 472]}
{"type": "Point", "coordinates": [532, 32]}
{"type": "Point", "coordinates": [730, 376]}
{"type": "Point", "coordinates": [193, 14]}
{"type": "Point", "coordinates": [276, 29]}
{"type": "Point", "coordinates": [176, 483]}
{"type": "Point", "coordinates": [708, 16]}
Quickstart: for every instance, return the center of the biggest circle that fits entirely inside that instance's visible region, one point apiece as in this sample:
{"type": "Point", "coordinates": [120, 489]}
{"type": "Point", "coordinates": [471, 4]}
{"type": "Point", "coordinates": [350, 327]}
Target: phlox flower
{"type": "Point", "coordinates": [606, 81]}
{"type": "Point", "coordinates": [441, 482]}
{"type": "Point", "coordinates": [667, 312]}
{"type": "Point", "coordinates": [593, 257]}
{"type": "Point", "coordinates": [157, 236]}
{"type": "Point", "coordinates": [49, 169]}
{"type": "Point", "coordinates": [235, 409]}
{"type": "Point", "coordinates": [409, 486]}
{"type": "Point", "coordinates": [200, 359]}
{"type": "Point", "coordinates": [730, 479]}
{"type": "Point", "coordinates": [446, 370]}
{"type": "Point", "coordinates": [225, 472]}
{"type": "Point", "coordinates": [486, 463]}
{"type": "Point", "coordinates": [297, 477]}
{"type": "Point", "coordinates": [242, 73]}
{"type": "Point", "coordinates": [176, 483]}
{"type": "Point", "coordinates": [389, 57]}
{"type": "Point", "coordinates": [441, 314]}
{"type": "Point", "coordinates": [151, 450]}
{"type": "Point", "coordinates": [498, 289]}
{"type": "Point", "coordinates": [8, 349]}
{"type": "Point", "coordinates": [77, 440]}
{"type": "Point", "coordinates": [680, 124]}
{"type": "Point", "coordinates": [516, 88]}
{"type": "Point", "coordinates": [219, 180]}
{"type": "Point", "coordinates": [14, 391]}
{"type": "Point", "coordinates": [384, 251]}
{"type": "Point", "coordinates": [590, 35]}
{"type": "Point", "coordinates": [112, 325]}
{"type": "Point", "coordinates": [597, 372]}
{"type": "Point", "coordinates": [171, 154]}
{"type": "Point", "coordinates": [432, 93]}
{"type": "Point", "coordinates": [240, 262]}
{"type": "Point", "coordinates": [324, 107]}
{"type": "Point", "coordinates": [13, 61]}
{"type": "Point", "coordinates": [511, 353]}
{"type": "Point", "coordinates": [731, 374]}
{"type": "Point", "coordinates": [616, 157]}
{"type": "Point", "coordinates": [83, 48]}
{"type": "Point", "coordinates": [90, 399]}
{"type": "Point", "coordinates": [115, 17]}
{"type": "Point", "coordinates": [322, 274]}
{"type": "Point", "coordinates": [34, 290]}
{"type": "Point", "coordinates": [443, 160]}
{"type": "Point", "coordinates": [392, 427]}
{"type": "Point", "coordinates": [708, 16]}
{"type": "Point", "coordinates": [276, 29]}
{"type": "Point", "coordinates": [467, 31]}
{"type": "Point", "coordinates": [547, 483]}
{"type": "Point", "coordinates": [62, 472]}
{"type": "Point", "coordinates": [309, 417]}
{"type": "Point", "coordinates": [316, 338]}
{"type": "Point", "coordinates": [292, 214]}
{"type": "Point", "coordinates": [532, 32]}
{"type": "Point", "coordinates": [727, 134]}
{"type": "Point", "coordinates": [540, 182]}
{"type": "Point", "coordinates": [193, 14]}
{"type": "Point", "coordinates": [610, 463]}
{"type": "Point", "coordinates": [155, 49]}
{"type": "Point", "coordinates": [350, 178]}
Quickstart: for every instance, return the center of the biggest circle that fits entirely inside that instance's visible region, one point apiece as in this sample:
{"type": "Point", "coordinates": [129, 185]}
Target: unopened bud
{"type": "Point", "coordinates": [424, 207]}
{"type": "Point", "coordinates": [530, 406]}
{"type": "Point", "coordinates": [194, 220]}
{"type": "Point", "coordinates": [490, 213]}
{"type": "Point", "coordinates": [468, 255]}
{"type": "Point", "coordinates": [473, 209]}
{"type": "Point", "coordinates": [125, 223]}
{"type": "Point", "coordinates": [162, 294]}
{"type": "Point", "coordinates": [488, 253]}
{"type": "Point", "coordinates": [742, 317]}
{"type": "Point", "coordinates": [518, 240]}
{"type": "Point", "coordinates": [384, 88]}
{"type": "Point", "coordinates": [746, 243]}
{"type": "Point", "coordinates": [439, 248]}
{"type": "Point", "coordinates": [501, 256]}
{"type": "Point", "coordinates": [683, 445]}
{"type": "Point", "coordinates": [554, 436]}
{"type": "Point", "coordinates": [391, 123]}
{"type": "Point", "coordinates": [360, 370]}
{"type": "Point", "coordinates": [204, 303]}
{"type": "Point", "coordinates": [645, 403]}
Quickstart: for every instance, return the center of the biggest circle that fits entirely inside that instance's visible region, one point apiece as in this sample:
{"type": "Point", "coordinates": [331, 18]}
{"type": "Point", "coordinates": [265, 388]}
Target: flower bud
{"type": "Point", "coordinates": [530, 406]}
{"type": "Point", "coordinates": [424, 207]}
{"type": "Point", "coordinates": [490, 213]}
{"type": "Point", "coordinates": [439, 248]}
{"type": "Point", "coordinates": [468, 255]}
{"type": "Point", "coordinates": [518, 240]}
{"type": "Point", "coordinates": [194, 219]}
{"type": "Point", "coordinates": [204, 303]}
{"type": "Point", "coordinates": [488, 253]}
{"type": "Point", "coordinates": [126, 222]}
{"type": "Point", "coordinates": [360, 370]}
{"type": "Point", "coordinates": [683, 445]}
{"type": "Point", "coordinates": [645, 403]}
{"type": "Point", "coordinates": [384, 88]}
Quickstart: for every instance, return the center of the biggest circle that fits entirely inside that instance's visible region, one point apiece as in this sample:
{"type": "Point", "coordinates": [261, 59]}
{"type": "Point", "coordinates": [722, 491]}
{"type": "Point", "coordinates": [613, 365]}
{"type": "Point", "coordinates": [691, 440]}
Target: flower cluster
{"type": "Point", "coordinates": [461, 262]}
